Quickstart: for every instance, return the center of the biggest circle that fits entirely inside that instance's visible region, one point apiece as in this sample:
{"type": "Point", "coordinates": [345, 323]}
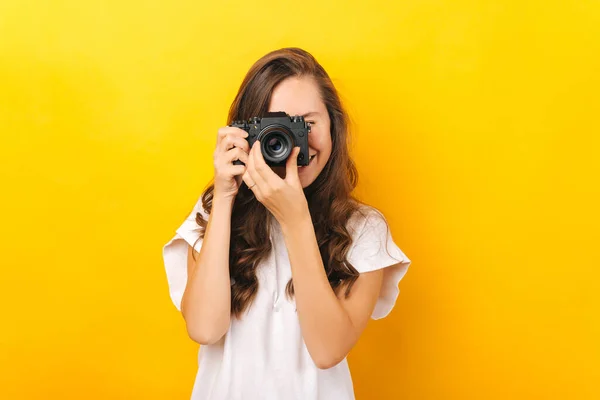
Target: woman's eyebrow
{"type": "Point", "coordinates": [310, 113]}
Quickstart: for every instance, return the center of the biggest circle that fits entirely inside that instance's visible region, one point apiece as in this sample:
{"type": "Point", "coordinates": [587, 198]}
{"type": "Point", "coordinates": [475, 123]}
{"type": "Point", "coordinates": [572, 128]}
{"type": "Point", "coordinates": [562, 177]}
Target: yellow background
{"type": "Point", "coordinates": [477, 135]}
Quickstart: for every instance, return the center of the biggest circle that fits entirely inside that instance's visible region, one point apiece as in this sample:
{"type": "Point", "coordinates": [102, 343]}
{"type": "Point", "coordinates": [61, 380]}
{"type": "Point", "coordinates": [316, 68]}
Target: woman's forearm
{"type": "Point", "coordinates": [326, 326]}
{"type": "Point", "coordinates": [206, 303]}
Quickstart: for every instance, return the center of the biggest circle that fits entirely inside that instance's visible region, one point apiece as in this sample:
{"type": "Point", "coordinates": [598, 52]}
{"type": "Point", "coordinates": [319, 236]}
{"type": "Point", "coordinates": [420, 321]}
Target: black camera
{"type": "Point", "coordinates": [278, 134]}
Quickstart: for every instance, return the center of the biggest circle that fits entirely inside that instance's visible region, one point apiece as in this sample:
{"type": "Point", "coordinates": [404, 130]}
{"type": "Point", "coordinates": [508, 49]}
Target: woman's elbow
{"type": "Point", "coordinates": [206, 332]}
{"type": "Point", "coordinates": [326, 362]}
{"type": "Point", "coordinates": [204, 336]}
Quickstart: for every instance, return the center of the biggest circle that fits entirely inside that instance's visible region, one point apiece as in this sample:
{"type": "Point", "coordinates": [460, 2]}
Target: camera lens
{"type": "Point", "coordinates": [276, 145]}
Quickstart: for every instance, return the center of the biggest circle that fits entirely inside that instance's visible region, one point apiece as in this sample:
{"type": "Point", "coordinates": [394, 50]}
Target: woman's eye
{"type": "Point", "coordinates": [310, 122]}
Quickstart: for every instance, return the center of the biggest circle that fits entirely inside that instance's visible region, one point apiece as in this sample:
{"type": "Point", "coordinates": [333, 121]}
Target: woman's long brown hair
{"type": "Point", "coordinates": [329, 197]}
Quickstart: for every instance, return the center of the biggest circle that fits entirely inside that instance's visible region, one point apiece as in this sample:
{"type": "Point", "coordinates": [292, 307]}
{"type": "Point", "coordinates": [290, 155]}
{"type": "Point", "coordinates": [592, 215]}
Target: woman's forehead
{"type": "Point", "coordinates": [297, 96]}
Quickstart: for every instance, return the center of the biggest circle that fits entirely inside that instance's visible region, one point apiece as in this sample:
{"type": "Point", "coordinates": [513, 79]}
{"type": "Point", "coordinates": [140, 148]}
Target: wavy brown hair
{"type": "Point", "coordinates": [329, 197]}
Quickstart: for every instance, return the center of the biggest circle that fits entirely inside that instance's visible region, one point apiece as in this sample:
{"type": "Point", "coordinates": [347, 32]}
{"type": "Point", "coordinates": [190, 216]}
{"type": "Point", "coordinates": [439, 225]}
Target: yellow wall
{"type": "Point", "coordinates": [477, 136]}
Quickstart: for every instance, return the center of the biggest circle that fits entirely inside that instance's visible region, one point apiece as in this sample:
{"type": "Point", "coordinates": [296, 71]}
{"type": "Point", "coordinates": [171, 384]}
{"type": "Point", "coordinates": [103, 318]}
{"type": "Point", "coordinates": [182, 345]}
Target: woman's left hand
{"type": "Point", "coordinates": [284, 198]}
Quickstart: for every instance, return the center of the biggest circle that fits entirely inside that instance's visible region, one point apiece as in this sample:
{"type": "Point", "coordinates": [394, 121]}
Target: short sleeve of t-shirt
{"type": "Point", "coordinates": [175, 253]}
{"type": "Point", "coordinates": [373, 248]}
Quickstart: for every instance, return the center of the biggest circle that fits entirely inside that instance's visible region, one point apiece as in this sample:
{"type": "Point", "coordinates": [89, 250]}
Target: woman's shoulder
{"type": "Point", "coordinates": [365, 215]}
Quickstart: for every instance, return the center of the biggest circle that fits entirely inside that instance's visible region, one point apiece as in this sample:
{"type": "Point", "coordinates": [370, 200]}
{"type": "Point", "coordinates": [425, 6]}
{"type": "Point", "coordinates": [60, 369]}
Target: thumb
{"type": "Point", "coordinates": [291, 165]}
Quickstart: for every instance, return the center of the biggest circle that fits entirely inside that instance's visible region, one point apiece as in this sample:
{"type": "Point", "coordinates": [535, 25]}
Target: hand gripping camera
{"type": "Point", "coordinates": [278, 134]}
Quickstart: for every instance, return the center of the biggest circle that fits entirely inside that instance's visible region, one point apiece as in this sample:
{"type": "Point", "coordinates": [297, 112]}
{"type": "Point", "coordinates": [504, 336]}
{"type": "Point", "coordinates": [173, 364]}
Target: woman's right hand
{"type": "Point", "coordinates": [231, 145]}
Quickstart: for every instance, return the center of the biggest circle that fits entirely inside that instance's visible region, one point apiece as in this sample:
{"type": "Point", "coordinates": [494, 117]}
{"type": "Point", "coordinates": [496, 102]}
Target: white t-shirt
{"type": "Point", "coordinates": [262, 355]}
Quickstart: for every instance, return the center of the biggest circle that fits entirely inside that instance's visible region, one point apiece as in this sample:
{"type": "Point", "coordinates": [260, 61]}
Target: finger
{"type": "Point", "coordinates": [262, 168]}
{"type": "Point", "coordinates": [247, 179]}
{"type": "Point", "coordinates": [223, 131]}
{"type": "Point", "coordinates": [251, 183]}
{"type": "Point", "coordinates": [254, 175]}
{"type": "Point", "coordinates": [291, 166]}
{"type": "Point", "coordinates": [236, 154]}
{"type": "Point", "coordinates": [235, 170]}
{"type": "Point", "coordinates": [230, 141]}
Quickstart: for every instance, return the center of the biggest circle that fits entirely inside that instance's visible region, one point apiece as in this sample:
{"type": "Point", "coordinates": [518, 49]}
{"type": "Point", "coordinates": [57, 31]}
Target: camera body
{"type": "Point", "coordinates": [278, 134]}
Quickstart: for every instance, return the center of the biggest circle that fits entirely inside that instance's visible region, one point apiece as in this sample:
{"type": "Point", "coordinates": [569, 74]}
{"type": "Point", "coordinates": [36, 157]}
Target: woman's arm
{"type": "Point", "coordinates": [330, 325]}
{"type": "Point", "coordinates": [206, 302]}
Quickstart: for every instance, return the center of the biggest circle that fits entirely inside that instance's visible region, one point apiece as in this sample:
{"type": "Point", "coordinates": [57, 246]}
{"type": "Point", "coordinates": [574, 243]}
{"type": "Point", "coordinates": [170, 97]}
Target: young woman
{"type": "Point", "coordinates": [277, 270]}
